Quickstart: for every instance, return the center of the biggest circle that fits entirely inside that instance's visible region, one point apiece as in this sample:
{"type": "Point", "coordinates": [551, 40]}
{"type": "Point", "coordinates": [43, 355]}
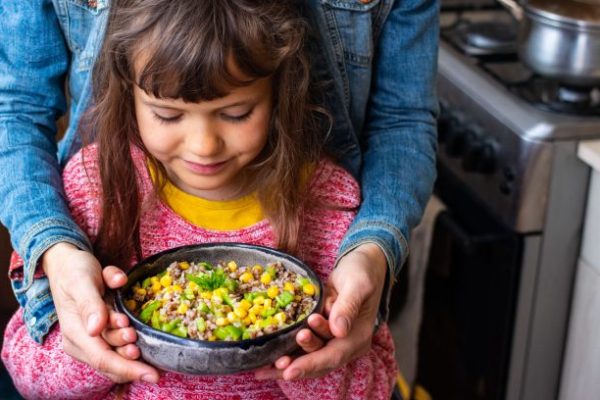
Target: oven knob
{"type": "Point", "coordinates": [455, 141]}
{"type": "Point", "coordinates": [480, 156]}
{"type": "Point", "coordinates": [472, 155]}
{"type": "Point", "coordinates": [487, 158]}
{"type": "Point", "coordinates": [445, 123]}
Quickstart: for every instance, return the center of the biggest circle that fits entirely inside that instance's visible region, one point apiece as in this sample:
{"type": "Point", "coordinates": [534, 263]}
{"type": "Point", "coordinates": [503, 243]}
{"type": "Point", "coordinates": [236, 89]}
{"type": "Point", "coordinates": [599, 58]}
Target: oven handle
{"type": "Point", "coordinates": [465, 240]}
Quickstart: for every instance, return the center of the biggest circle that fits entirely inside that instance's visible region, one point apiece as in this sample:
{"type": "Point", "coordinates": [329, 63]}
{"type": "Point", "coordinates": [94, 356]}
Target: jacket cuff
{"type": "Point", "coordinates": [40, 238]}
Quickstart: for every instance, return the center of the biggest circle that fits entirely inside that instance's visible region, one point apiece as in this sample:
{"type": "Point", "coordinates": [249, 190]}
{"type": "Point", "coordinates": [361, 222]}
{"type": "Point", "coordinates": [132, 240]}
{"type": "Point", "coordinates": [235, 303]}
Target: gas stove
{"type": "Point", "coordinates": [507, 150]}
{"type": "Point", "coordinates": [499, 119]}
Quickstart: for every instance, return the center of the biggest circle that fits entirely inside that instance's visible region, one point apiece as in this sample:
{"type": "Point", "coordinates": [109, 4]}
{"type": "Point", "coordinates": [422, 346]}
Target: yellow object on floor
{"type": "Point", "coordinates": [403, 386]}
{"type": "Point", "coordinates": [420, 393]}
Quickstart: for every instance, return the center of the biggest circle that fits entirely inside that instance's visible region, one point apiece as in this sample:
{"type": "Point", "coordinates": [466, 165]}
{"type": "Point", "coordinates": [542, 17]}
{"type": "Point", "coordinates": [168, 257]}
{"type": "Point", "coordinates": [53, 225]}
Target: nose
{"type": "Point", "coordinates": [204, 140]}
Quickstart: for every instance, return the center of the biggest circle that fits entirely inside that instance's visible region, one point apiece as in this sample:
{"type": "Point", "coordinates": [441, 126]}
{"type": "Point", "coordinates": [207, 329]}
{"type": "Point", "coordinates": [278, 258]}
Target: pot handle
{"type": "Point", "coordinates": [513, 7]}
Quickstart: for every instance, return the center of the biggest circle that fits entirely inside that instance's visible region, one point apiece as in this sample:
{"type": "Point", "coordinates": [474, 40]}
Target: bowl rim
{"type": "Point", "coordinates": [245, 343]}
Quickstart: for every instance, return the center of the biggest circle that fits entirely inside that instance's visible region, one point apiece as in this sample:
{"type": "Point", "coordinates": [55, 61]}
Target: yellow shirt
{"type": "Point", "coordinates": [212, 214]}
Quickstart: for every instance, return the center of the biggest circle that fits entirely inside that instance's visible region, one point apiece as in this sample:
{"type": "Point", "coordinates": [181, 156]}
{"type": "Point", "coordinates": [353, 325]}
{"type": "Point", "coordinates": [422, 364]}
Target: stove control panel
{"type": "Point", "coordinates": [496, 164]}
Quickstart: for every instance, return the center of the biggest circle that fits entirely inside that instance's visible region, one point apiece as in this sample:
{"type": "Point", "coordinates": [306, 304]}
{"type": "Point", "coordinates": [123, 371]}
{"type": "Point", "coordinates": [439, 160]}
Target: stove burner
{"type": "Point", "coordinates": [483, 39]}
{"type": "Point", "coordinates": [552, 96]}
{"type": "Point", "coordinates": [490, 35]}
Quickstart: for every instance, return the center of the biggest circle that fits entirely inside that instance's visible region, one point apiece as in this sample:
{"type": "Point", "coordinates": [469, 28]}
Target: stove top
{"type": "Point", "coordinates": [478, 51]}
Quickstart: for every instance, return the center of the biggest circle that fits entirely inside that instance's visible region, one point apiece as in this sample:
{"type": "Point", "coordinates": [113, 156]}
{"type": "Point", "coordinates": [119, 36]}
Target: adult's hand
{"type": "Point", "coordinates": [77, 282]}
{"type": "Point", "coordinates": [353, 292]}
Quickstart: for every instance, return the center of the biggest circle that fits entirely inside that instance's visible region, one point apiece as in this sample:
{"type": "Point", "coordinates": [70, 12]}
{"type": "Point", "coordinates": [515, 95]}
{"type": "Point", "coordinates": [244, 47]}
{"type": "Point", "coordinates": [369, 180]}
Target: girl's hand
{"type": "Point", "coordinates": [77, 284]}
{"type": "Point", "coordinates": [353, 293]}
{"type": "Point", "coordinates": [120, 335]}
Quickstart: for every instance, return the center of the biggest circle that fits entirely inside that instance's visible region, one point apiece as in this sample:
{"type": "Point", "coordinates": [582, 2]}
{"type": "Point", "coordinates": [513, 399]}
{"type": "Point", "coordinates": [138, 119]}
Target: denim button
{"type": "Point", "coordinates": [32, 321]}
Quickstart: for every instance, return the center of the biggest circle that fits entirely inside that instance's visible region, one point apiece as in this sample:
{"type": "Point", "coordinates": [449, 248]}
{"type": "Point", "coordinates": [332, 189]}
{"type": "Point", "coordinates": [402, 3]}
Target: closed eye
{"type": "Point", "coordinates": [166, 120]}
{"type": "Point", "coordinates": [237, 118]}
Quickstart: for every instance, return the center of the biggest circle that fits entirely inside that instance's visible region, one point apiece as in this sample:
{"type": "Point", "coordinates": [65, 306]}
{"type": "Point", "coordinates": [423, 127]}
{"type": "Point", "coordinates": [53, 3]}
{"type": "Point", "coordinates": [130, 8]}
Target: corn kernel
{"type": "Point", "coordinates": [280, 317]}
{"type": "Point", "coordinates": [309, 289]}
{"type": "Point", "coordinates": [130, 304]}
{"type": "Point", "coordinates": [154, 279]}
{"type": "Point", "coordinates": [265, 278]}
{"type": "Point", "coordinates": [259, 300]}
{"type": "Point", "coordinates": [240, 312]}
{"type": "Point", "coordinates": [246, 277]}
{"type": "Point", "coordinates": [220, 321]}
{"type": "Point", "coordinates": [288, 287]}
{"type": "Point", "coordinates": [206, 295]}
{"type": "Point", "coordinates": [156, 286]}
{"type": "Point", "coordinates": [176, 288]}
{"type": "Point", "coordinates": [256, 309]}
{"type": "Point", "coordinates": [232, 266]}
{"type": "Point", "coordinates": [245, 304]}
{"type": "Point", "coordinates": [252, 317]}
{"type": "Point", "coordinates": [258, 269]}
{"type": "Point", "coordinates": [169, 290]}
{"type": "Point", "coordinates": [268, 303]}
{"type": "Point", "coordinates": [140, 291]}
{"type": "Point", "coordinates": [247, 321]}
{"type": "Point", "coordinates": [273, 291]}
{"type": "Point", "coordinates": [182, 309]}
{"type": "Point", "coordinates": [212, 338]}
{"type": "Point", "coordinates": [298, 297]}
{"type": "Point", "coordinates": [231, 317]}
{"type": "Point", "coordinates": [192, 286]}
{"type": "Point", "coordinates": [184, 265]}
{"type": "Point", "coordinates": [166, 280]}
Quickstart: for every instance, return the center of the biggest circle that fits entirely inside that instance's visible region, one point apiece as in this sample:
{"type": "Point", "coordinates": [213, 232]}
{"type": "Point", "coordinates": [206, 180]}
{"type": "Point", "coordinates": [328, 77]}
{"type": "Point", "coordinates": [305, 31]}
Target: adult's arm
{"type": "Point", "coordinates": [399, 138]}
{"type": "Point", "coordinates": [34, 60]}
{"type": "Point", "coordinates": [398, 144]}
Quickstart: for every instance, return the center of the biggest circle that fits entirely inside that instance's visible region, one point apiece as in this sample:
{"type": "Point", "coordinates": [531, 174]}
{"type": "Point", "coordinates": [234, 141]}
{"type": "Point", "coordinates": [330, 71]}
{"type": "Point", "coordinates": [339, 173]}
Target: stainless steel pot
{"type": "Point", "coordinates": [560, 39]}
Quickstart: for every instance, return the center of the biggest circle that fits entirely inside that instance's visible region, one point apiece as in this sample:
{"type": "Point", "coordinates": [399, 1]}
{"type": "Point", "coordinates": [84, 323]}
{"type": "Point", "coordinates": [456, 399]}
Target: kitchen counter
{"type": "Point", "coordinates": [581, 366]}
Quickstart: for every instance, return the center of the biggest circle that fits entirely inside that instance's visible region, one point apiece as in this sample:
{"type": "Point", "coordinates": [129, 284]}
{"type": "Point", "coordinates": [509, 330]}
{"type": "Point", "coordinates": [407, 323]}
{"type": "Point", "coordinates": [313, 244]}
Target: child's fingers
{"type": "Point", "coordinates": [266, 373]}
{"type": "Point", "coordinates": [119, 337]}
{"type": "Point", "coordinates": [113, 277]}
{"type": "Point", "coordinates": [129, 351]}
{"type": "Point", "coordinates": [117, 320]}
{"type": "Point", "coordinates": [320, 326]}
{"type": "Point", "coordinates": [308, 341]}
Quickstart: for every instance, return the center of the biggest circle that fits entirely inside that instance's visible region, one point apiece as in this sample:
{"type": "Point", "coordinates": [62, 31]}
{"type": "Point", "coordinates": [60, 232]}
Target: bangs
{"type": "Point", "coordinates": [214, 50]}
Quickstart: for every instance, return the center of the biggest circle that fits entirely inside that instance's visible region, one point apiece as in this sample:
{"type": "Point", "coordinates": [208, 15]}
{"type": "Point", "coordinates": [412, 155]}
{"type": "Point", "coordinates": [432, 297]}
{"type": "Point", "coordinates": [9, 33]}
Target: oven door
{"type": "Point", "coordinates": [470, 295]}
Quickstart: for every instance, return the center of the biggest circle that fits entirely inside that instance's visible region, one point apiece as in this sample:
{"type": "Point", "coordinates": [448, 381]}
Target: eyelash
{"type": "Point", "coordinates": [164, 120]}
{"type": "Point", "coordinates": [229, 118]}
{"type": "Point", "coordinates": [237, 119]}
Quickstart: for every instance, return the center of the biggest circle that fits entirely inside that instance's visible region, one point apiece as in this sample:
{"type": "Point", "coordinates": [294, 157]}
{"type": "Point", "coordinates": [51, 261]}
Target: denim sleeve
{"type": "Point", "coordinates": [399, 138]}
{"type": "Point", "coordinates": [34, 60]}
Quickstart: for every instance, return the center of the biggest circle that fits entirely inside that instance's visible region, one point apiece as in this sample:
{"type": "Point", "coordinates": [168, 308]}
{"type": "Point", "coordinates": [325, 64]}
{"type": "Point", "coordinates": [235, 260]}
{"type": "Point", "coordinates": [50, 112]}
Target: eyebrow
{"type": "Point", "coordinates": [151, 103]}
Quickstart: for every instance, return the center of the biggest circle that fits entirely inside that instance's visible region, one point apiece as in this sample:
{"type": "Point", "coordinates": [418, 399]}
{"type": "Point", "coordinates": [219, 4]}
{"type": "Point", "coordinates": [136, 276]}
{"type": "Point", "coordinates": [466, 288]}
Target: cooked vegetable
{"type": "Point", "coordinates": [227, 301]}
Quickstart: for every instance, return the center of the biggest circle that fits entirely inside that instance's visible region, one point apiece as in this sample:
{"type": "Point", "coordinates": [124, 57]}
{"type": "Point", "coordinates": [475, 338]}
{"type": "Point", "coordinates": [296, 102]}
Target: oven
{"type": "Point", "coordinates": [471, 287]}
{"type": "Point", "coordinates": [503, 252]}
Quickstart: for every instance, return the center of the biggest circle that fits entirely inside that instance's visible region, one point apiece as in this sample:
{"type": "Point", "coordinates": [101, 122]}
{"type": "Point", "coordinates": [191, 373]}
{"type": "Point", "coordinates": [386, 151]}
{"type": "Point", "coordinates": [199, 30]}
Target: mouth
{"type": "Point", "coordinates": [205, 169]}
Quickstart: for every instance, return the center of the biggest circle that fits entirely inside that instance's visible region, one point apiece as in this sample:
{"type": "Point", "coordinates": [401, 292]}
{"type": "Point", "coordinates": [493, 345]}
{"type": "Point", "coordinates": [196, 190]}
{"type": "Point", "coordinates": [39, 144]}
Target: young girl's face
{"type": "Point", "coordinates": [204, 146]}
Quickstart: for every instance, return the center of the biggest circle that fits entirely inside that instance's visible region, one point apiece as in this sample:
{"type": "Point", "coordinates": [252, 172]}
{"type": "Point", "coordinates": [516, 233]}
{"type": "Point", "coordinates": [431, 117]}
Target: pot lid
{"type": "Point", "coordinates": [585, 13]}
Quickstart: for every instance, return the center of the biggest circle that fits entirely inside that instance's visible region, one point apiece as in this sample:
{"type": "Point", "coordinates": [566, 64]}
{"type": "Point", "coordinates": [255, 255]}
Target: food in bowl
{"type": "Point", "coordinates": [188, 355]}
{"type": "Point", "coordinates": [222, 302]}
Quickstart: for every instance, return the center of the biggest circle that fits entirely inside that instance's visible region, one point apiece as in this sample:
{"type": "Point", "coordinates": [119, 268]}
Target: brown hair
{"type": "Point", "coordinates": [186, 46]}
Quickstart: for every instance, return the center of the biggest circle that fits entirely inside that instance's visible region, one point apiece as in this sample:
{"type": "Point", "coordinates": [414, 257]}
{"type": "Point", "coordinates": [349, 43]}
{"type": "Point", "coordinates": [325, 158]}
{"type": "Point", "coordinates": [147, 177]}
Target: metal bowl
{"type": "Point", "coordinates": [199, 357]}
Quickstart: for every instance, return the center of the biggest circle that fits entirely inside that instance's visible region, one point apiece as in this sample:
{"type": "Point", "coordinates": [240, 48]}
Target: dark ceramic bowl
{"type": "Point", "coordinates": [200, 357]}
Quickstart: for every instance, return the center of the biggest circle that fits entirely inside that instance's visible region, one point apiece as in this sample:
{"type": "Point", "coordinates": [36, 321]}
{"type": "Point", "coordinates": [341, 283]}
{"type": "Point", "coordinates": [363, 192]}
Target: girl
{"type": "Point", "coordinates": [205, 132]}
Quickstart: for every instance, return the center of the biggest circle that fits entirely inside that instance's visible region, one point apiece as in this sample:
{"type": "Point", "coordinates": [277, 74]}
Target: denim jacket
{"type": "Point", "coordinates": [380, 56]}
